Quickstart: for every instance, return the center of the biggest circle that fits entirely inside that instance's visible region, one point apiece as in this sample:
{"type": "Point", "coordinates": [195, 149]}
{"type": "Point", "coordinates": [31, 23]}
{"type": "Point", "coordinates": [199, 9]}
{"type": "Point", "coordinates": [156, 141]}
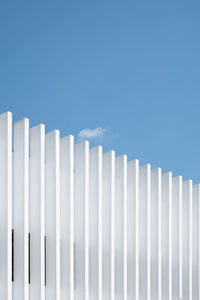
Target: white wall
{"type": "Point", "coordinates": [90, 225]}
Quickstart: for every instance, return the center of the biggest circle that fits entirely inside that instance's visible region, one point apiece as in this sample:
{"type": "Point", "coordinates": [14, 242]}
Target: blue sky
{"type": "Point", "coordinates": [131, 68]}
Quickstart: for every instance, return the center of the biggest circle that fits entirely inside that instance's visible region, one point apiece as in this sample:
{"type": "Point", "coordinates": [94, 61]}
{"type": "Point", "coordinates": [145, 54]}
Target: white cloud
{"type": "Point", "coordinates": [91, 133]}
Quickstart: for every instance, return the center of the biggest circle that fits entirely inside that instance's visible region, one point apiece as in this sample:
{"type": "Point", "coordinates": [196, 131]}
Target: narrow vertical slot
{"type": "Point", "coordinates": [13, 255]}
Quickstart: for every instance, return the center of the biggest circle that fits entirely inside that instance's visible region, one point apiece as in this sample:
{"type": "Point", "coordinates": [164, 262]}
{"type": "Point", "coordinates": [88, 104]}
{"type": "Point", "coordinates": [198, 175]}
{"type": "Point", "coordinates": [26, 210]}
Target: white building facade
{"type": "Point", "coordinates": [77, 223]}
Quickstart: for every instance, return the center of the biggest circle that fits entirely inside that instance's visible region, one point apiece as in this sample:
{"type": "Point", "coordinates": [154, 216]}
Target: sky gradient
{"type": "Point", "coordinates": [131, 68]}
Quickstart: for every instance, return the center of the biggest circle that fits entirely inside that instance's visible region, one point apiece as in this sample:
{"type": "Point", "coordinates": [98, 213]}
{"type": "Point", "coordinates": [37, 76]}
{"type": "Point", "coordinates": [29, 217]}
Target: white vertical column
{"type": "Point", "coordinates": [67, 217]}
{"type": "Point", "coordinates": [144, 232]}
{"type": "Point", "coordinates": [53, 215]}
{"type": "Point", "coordinates": [82, 221]}
{"type": "Point", "coordinates": [155, 210]}
{"type": "Point", "coordinates": [37, 212]}
{"type": "Point", "coordinates": [167, 236]}
{"type": "Point", "coordinates": [176, 237]}
{"type": "Point", "coordinates": [187, 239]}
{"type": "Point", "coordinates": [133, 230]}
{"type": "Point", "coordinates": [196, 242]}
{"type": "Point", "coordinates": [95, 224]}
{"type": "Point", "coordinates": [108, 226]}
{"type": "Point", "coordinates": [121, 228]}
{"type": "Point", "coordinates": [6, 206]}
{"type": "Point", "coordinates": [21, 209]}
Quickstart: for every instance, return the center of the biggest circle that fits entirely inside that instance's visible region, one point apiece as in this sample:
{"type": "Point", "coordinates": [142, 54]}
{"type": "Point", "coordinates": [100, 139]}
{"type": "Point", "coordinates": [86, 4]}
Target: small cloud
{"type": "Point", "coordinates": [91, 133]}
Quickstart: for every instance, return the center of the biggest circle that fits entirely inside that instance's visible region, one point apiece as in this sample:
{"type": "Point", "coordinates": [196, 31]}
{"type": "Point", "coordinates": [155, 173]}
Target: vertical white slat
{"type": "Point", "coordinates": [176, 237]}
{"type": "Point", "coordinates": [82, 221]}
{"type": "Point", "coordinates": [195, 241]}
{"type": "Point", "coordinates": [21, 209]}
{"type": "Point", "coordinates": [37, 212]}
{"type": "Point", "coordinates": [167, 236]}
{"type": "Point", "coordinates": [95, 224]}
{"type": "Point", "coordinates": [67, 217]}
{"type": "Point", "coordinates": [144, 232]}
{"type": "Point", "coordinates": [6, 206]}
{"type": "Point", "coordinates": [108, 226]}
{"type": "Point", "coordinates": [133, 230]}
{"type": "Point", "coordinates": [121, 228]}
{"type": "Point", "coordinates": [199, 243]}
{"type": "Point", "coordinates": [155, 210]}
{"type": "Point", "coordinates": [52, 219]}
{"type": "Point", "coordinates": [187, 239]}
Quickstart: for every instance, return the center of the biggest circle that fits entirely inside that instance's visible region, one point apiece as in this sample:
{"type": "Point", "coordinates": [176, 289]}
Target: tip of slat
{"type": "Point", "coordinates": [157, 169]}
{"type": "Point", "coordinates": [54, 132]}
{"type": "Point", "coordinates": [69, 137]}
{"type": "Point", "coordinates": [83, 143]}
{"type": "Point", "coordinates": [38, 126]}
{"type": "Point", "coordinates": [96, 148]}
{"type": "Point", "coordinates": [6, 113]}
